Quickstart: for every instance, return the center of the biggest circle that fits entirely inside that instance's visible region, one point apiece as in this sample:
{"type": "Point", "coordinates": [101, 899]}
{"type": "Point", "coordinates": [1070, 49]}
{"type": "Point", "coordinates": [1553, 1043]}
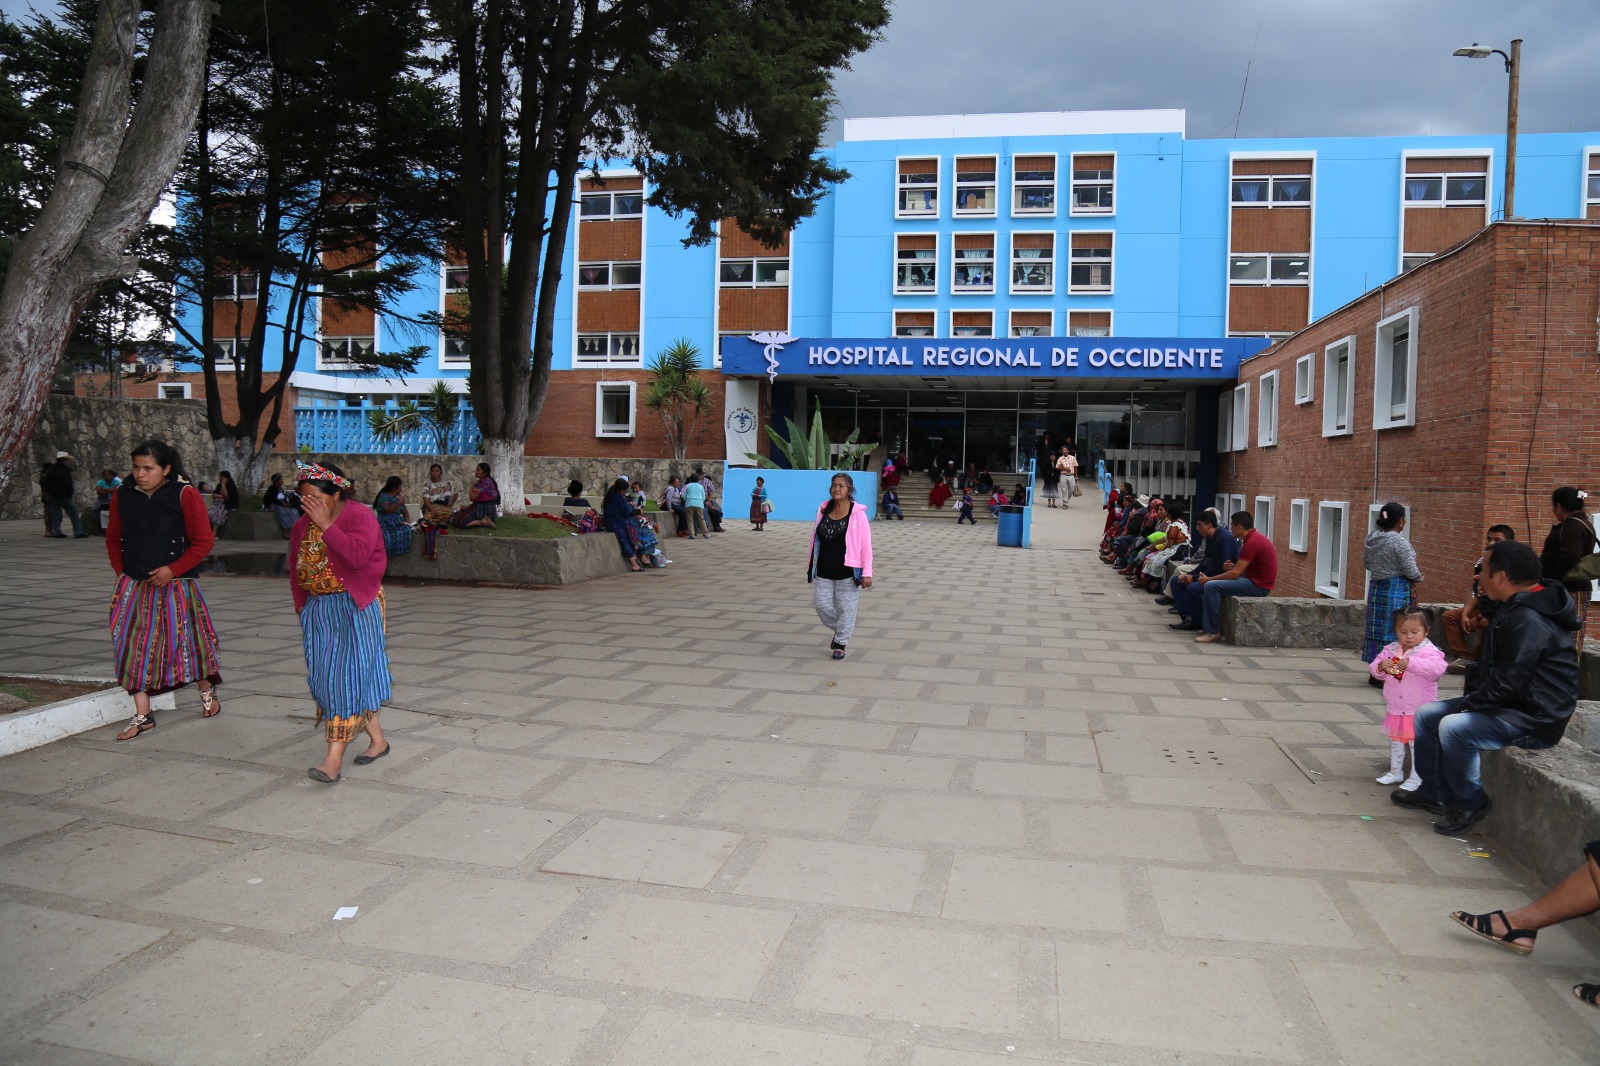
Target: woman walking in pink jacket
{"type": "Point", "coordinates": [841, 560]}
{"type": "Point", "coordinates": [1410, 668]}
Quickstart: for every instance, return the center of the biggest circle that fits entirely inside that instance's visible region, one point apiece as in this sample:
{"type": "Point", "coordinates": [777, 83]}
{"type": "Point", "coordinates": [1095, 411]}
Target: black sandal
{"type": "Point", "coordinates": [1590, 994]}
{"type": "Point", "coordinates": [141, 724]}
{"type": "Point", "coordinates": [1481, 925]}
{"type": "Point", "coordinates": [368, 760]}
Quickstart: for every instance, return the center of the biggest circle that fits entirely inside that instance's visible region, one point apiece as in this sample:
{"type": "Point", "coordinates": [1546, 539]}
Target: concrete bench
{"type": "Point", "coordinates": [1309, 622]}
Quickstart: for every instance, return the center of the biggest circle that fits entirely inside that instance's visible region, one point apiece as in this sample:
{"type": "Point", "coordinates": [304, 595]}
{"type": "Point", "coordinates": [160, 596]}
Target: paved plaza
{"type": "Point", "coordinates": [647, 821]}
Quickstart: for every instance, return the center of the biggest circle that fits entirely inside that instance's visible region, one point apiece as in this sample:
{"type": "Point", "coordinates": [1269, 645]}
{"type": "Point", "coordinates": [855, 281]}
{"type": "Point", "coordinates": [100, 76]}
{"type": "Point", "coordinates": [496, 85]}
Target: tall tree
{"type": "Point", "coordinates": [121, 153]}
{"type": "Point", "coordinates": [721, 104]}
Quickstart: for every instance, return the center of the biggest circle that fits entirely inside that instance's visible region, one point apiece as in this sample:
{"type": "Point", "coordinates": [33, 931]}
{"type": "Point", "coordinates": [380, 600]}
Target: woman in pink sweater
{"type": "Point", "coordinates": [338, 557]}
{"type": "Point", "coordinates": [841, 560]}
{"type": "Point", "coordinates": [1410, 669]}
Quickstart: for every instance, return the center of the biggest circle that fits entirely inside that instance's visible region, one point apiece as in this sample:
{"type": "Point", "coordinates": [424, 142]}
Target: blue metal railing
{"type": "Point", "coordinates": [345, 429]}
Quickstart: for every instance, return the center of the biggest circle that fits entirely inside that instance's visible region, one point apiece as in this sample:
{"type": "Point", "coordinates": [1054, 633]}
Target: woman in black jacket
{"type": "Point", "coordinates": [1570, 539]}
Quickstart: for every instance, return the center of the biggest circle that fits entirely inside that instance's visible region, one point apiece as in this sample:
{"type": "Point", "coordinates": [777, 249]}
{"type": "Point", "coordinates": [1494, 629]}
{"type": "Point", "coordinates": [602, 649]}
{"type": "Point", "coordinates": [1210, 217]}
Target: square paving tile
{"type": "Point", "coordinates": [662, 1037]}
{"type": "Point", "coordinates": [174, 789]}
{"type": "Point", "coordinates": [225, 736]}
{"type": "Point", "coordinates": [1415, 919]}
{"type": "Point", "coordinates": [612, 744]}
{"type": "Point", "coordinates": [698, 949]}
{"type": "Point", "coordinates": [1445, 856]}
{"type": "Point", "coordinates": [843, 734]}
{"type": "Point", "coordinates": [717, 724]}
{"type": "Point", "coordinates": [1031, 779]}
{"type": "Point", "coordinates": [309, 810]}
{"type": "Point", "coordinates": [768, 758]}
{"type": "Point", "coordinates": [773, 805]}
{"type": "Point", "coordinates": [651, 852]}
{"type": "Point", "coordinates": [1228, 906]}
{"type": "Point", "coordinates": [871, 769]}
{"type": "Point", "coordinates": [1176, 792]}
{"type": "Point", "coordinates": [632, 789]}
{"type": "Point", "coordinates": [1038, 720]}
{"type": "Point", "coordinates": [920, 712]}
{"type": "Point", "coordinates": [845, 875]}
{"type": "Point", "coordinates": [1134, 833]}
{"type": "Point", "coordinates": [55, 766]}
{"type": "Point", "coordinates": [914, 975]}
{"type": "Point", "coordinates": [1195, 1004]}
{"type": "Point", "coordinates": [1036, 892]}
{"type": "Point", "coordinates": [474, 919]}
{"type": "Point", "coordinates": [1301, 843]}
{"type": "Point", "coordinates": [950, 820]}
{"type": "Point", "coordinates": [291, 892]}
{"type": "Point", "coordinates": [1343, 795]}
{"type": "Point", "coordinates": [1196, 758]}
{"type": "Point", "coordinates": [483, 833]}
{"type": "Point", "coordinates": [19, 821]}
{"type": "Point", "coordinates": [48, 952]}
{"type": "Point", "coordinates": [585, 713]}
{"type": "Point", "coordinates": [487, 733]}
{"type": "Point", "coordinates": [105, 861]}
{"type": "Point", "coordinates": [809, 704]}
{"type": "Point", "coordinates": [984, 745]}
{"type": "Point", "coordinates": [1450, 1018]}
{"type": "Point", "coordinates": [469, 772]}
{"type": "Point", "coordinates": [169, 1013]}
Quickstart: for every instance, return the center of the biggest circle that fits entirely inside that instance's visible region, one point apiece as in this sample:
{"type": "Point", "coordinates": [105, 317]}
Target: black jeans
{"type": "Point", "coordinates": [55, 506]}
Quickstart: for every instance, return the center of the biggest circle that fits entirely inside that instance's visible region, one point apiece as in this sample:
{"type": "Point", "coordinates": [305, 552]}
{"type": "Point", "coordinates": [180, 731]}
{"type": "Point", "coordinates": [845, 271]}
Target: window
{"type": "Point", "coordinates": [1089, 323]}
{"type": "Point", "coordinates": [1032, 323]}
{"type": "Point", "coordinates": [1394, 372]}
{"type": "Point", "coordinates": [1265, 269]}
{"type": "Point", "coordinates": [1591, 187]}
{"type": "Point", "coordinates": [1221, 505]}
{"type": "Point", "coordinates": [1235, 505]}
{"type": "Point", "coordinates": [457, 352]}
{"type": "Point", "coordinates": [973, 269]}
{"type": "Point", "coordinates": [601, 206]}
{"type": "Point", "coordinates": [1411, 262]}
{"type": "Point", "coordinates": [1304, 375]}
{"type": "Point", "coordinates": [613, 408]}
{"type": "Point", "coordinates": [975, 185]}
{"type": "Point", "coordinates": [1447, 190]}
{"type": "Point", "coordinates": [455, 279]}
{"type": "Point", "coordinates": [1338, 387]}
{"type": "Point", "coordinates": [1091, 263]}
{"type": "Point", "coordinates": [1241, 420]}
{"type": "Point", "coordinates": [1267, 411]}
{"type": "Point", "coordinates": [916, 266]}
{"type": "Point", "coordinates": [337, 353]}
{"type": "Point", "coordinates": [225, 350]}
{"type": "Point", "coordinates": [913, 324]}
{"type": "Point", "coordinates": [1224, 425]}
{"type": "Point", "coordinates": [608, 348]}
{"type": "Point", "coordinates": [1299, 512]}
{"type": "Point", "coordinates": [972, 323]}
{"type": "Point", "coordinates": [1331, 535]}
{"type": "Point", "coordinates": [1033, 266]}
{"type": "Point", "coordinates": [172, 390]}
{"type": "Point", "coordinates": [237, 287]}
{"type": "Point", "coordinates": [1272, 191]}
{"type": "Point", "coordinates": [758, 273]}
{"type": "Point", "coordinates": [596, 276]}
{"type": "Point", "coordinates": [917, 189]}
{"type": "Point", "coordinates": [1033, 185]}
{"type": "Point", "coordinates": [1093, 184]}
{"type": "Point", "coordinates": [1264, 514]}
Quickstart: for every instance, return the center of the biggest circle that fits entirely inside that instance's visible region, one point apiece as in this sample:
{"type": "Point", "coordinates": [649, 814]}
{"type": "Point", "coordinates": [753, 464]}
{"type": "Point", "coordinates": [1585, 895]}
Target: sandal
{"type": "Point", "coordinates": [1481, 925]}
{"type": "Point", "coordinates": [838, 653]}
{"type": "Point", "coordinates": [210, 706]}
{"type": "Point", "coordinates": [142, 723]}
{"type": "Point", "coordinates": [1590, 994]}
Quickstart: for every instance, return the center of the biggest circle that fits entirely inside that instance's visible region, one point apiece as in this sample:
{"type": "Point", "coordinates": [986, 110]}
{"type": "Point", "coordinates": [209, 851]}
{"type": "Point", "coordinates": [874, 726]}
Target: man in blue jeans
{"type": "Point", "coordinates": [1254, 574]}
{"type": "Point", "coordinates": [1218, 551]}
{"type": "Point", "coordinates": [1520, 693]}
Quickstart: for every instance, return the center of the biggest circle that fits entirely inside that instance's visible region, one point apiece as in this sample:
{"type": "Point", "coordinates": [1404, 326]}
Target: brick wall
{"type": "Point", "coordinates": [1508, 384]}
{"type": "Point", "coordinates": [566, 425]}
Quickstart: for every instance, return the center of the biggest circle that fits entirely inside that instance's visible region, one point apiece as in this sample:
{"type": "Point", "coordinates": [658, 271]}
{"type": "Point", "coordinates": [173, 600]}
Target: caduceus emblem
{"type": "Point", "coordinates": [770, 343]}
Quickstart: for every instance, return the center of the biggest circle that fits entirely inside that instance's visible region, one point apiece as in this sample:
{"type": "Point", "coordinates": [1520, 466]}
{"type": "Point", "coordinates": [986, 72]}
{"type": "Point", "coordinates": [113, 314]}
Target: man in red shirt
{"type": "Point", "coordinates": [1253, 575]}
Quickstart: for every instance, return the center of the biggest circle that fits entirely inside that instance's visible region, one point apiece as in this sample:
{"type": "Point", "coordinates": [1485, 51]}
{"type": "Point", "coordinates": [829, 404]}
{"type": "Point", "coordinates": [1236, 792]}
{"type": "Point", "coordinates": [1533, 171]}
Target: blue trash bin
{"type": "Point", "coordinates": [1009, 533]}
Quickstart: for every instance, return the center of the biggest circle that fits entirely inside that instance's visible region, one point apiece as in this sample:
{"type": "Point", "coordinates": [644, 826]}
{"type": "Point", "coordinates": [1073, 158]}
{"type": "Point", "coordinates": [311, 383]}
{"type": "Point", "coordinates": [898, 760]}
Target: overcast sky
{"type": "Point", "coordinates": [1320, 67]}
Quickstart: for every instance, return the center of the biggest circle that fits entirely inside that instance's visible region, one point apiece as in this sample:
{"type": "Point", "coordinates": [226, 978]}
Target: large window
{"type": "Point", "coordinates": [1394, 372]}
{"type": "Point", "coordinates": [225, 350]}
{"type": "Point", "coordinates": [1032, 323]}
{"type": "Point", "coordinates": [613, 408]}
{"type": "Point", "coordinates": [1271, 190]}
{"type": "Point", "coordinates": [1241, 418]}
{"type": "Point", "coordinates": [1089, 323]}
{"type": "Point", "coordinates": [456, 352]}
{"type": "Point", "coordinates": [1033, 266]}
{"type": "Point", "coordinates": [1591, 187]}
{"type": "Point", "coordinates": [1091, 263]}
{"type": "Point", "coordinates": [340, 353]}
{"type": "Point", "coordinates": [600, 276]}
{"type": "Point", "coordinates": [599, 348]}
{"type": "Point", "coordinates": [757, 273]}
{"type": "Point", "coordinates": [917, 189]}
{"type": "Point", "coordinates": [1299, 523]}
{"type": "Point", "coordinates": [601, 206]}
{"type": "Point", "coordinates": [1332, 534]}
{"type": "Point", "coordinates": [913, 324]}
{"type": "Point", "coordinates": [1093, 184]}
{"type": "Point", "coordinates": [1265, 514]}
{"type": "Point", "coordinates": [1447, 190]}
{"type": "Point", "coordinates": [975, 185]}
{"type": "Point", "coordinates": [1033, 185]}
{"type": "Point", "coordinates": [237, 287]}
{"type": "Point", "coordinates": [172, 390]}
{"type": "Point", "coordinates": [916, 263]}
{"type": "Point", "coordinates": [1305, 378]}
{"type": "Point", "coordinates": [1267, 413]}
{"type": "Point", "coordinates": [1338, 388]}
{"type": "Point", "coordinates": [1269, 269]}
{"type": "Point", "coordinates": [455, 279]}
{"type": "Point", "coordinates": [973, 268]}
{"type": "Point", "coordinates": [972, 323]}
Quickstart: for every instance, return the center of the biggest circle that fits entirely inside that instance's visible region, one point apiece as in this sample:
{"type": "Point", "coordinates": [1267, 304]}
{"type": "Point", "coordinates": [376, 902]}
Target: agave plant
{"type": "Point", "coordinates": [437, 411]}
{"type": "Point", "coordinates": [676, 392]}
{"type": "Point", "coordinates": [812, 451]}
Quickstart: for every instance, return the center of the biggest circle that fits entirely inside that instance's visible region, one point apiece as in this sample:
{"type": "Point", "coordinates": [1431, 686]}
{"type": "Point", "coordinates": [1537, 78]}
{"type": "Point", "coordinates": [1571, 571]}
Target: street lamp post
{"type": "Point", "coordinates": [1513, 61]}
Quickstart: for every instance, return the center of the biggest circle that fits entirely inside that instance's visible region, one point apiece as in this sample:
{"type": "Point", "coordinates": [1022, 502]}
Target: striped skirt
{"type": "Point", "coordinates": [1385, 597]}
{"type": "Point", "coordinates": [162, 637]}
{"type": "Point", "coordinates": [347, 668]}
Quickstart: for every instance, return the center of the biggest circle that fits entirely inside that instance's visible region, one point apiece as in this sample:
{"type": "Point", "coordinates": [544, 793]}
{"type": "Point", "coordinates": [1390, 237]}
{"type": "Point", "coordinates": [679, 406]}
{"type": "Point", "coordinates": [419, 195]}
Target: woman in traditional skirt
{"type": "Point", "coordinates": [338, 558]}
{"type": "Point", "coordinates": [1392, 562]}
{"type": "Point", "coordinates": [485, 505]}
{"type": "Point", "coordinates": [758, 505]}
{"type": "Point", "coordinates": [390, 507]}
{"type": "Point", "coordinates": [438, 495]}
{"type": "Point", "coordinates": [157, 533]}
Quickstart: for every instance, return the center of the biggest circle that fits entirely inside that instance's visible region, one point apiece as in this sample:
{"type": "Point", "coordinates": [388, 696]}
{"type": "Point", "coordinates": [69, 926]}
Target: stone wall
{"type": "Point", "coordinates": [540, 473]}
{"type": "Point", "coordinates": [100, 434]}
{"type": "Point", "coordinates": [1300, 622]}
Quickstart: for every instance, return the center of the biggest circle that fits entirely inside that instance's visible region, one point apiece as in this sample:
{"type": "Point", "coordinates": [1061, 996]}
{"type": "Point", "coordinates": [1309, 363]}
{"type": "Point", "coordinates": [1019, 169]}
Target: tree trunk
{"type": "Point", "coordinates": [112, 171]}
{"type": "Point", "coordinates": [505, 463]}
{"type": "Point", "coordinates": [246, 460]}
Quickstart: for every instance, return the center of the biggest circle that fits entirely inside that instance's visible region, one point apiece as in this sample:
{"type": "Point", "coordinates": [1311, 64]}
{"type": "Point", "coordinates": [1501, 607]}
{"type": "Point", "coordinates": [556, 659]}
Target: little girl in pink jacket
{"type": "Point", "coordinates": [1410, 669]}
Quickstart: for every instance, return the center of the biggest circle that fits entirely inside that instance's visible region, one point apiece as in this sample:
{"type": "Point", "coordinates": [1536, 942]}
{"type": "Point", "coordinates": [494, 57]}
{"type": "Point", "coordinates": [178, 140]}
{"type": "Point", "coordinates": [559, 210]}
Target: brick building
{"type": "Point", "coordinates": [1466, 388]}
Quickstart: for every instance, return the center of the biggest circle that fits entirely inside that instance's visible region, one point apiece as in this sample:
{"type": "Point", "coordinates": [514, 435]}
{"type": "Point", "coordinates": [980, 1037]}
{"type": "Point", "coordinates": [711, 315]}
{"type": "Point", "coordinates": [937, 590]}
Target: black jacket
{"type": "Point", "coordinates": [56, 481]}
{"type": "Point", "coordinates": [1527, 669]}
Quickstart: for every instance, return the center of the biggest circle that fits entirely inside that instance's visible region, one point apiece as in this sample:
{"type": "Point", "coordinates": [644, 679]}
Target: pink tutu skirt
{"type": "Point", "coordinates": [1400, 727]}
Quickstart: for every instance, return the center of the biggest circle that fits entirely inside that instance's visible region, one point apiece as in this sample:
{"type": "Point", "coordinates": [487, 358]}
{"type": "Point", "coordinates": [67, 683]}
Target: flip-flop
{"type": "Point", "coordinates": [316, 773]}
{"type": "Point", "coordinates": [368, 760]}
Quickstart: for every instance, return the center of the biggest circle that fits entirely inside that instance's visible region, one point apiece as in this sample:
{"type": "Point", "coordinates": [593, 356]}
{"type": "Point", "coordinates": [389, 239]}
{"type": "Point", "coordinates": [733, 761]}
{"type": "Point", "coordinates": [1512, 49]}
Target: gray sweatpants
{"type": "Point", "coordinates": [836, 603]}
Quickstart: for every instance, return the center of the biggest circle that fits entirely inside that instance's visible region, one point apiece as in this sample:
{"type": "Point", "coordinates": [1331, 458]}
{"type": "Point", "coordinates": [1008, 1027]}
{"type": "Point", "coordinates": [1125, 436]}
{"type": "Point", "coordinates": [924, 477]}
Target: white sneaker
{"type": "Point", "coordinates": [1412, 784]}
{"type": "Point", "coordinates": [1394, 777]}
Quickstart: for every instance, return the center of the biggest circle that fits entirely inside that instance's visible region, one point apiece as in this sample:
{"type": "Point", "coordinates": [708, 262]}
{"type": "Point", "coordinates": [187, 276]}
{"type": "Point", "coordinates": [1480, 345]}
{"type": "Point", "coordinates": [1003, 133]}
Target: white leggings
{"type": "Point", "coordinates": [836, 603]}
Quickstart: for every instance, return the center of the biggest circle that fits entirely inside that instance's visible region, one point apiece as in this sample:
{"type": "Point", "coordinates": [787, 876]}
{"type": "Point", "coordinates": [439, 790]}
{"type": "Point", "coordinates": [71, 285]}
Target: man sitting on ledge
{"type": "Point", "coordinates": [1520, 693]}
{"type": "Point", "coordinates": [1254, 574]}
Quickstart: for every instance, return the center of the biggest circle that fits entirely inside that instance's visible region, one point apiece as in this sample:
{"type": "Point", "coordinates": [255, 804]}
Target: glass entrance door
{"type": "Point", "coordinates": [935, 435]}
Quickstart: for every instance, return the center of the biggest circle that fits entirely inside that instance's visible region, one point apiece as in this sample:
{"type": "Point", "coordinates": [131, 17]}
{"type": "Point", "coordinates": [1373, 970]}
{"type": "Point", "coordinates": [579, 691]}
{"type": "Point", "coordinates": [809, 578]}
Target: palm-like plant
{"type": "Point", "coordinates": [437, 411]}
{"type": "Point", "coordinates": [813, 450]}
{"type": "Point", "coordinates": [676, 393]}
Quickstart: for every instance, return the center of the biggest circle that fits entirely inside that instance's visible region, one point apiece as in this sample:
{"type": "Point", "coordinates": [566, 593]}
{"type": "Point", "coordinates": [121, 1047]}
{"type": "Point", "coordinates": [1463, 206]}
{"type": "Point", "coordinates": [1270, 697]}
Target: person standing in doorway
{"type": "Point", "coordinates": [841, 560]}
{"type": "Point", "coordinates": [56, 483]}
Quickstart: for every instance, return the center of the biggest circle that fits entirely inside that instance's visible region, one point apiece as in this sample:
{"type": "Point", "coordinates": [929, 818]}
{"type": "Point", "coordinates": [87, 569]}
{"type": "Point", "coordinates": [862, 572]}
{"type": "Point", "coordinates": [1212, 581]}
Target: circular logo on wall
{"type": "Point", "coordinates": [741, 420]}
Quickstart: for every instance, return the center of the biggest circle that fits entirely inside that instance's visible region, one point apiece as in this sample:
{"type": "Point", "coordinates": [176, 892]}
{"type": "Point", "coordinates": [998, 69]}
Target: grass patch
{"type": "Point", "coordinates": [21, 692]}
{"type": "Point", "coordinates": [515, 527]}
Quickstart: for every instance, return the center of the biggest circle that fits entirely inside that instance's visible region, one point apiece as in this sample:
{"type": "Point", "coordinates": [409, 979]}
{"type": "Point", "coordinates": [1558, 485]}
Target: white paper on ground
{"type": "Point", "coordinates": [345, 912]}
